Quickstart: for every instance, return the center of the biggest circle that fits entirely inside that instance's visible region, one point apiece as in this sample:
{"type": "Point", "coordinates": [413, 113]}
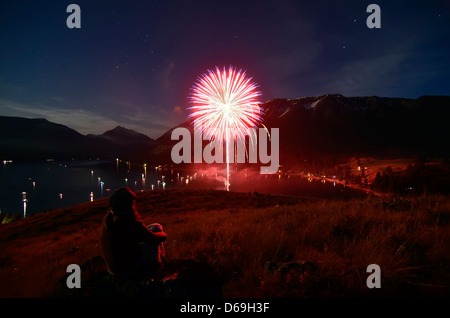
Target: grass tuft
{"type": "Point", "coordinates": [259, 245]}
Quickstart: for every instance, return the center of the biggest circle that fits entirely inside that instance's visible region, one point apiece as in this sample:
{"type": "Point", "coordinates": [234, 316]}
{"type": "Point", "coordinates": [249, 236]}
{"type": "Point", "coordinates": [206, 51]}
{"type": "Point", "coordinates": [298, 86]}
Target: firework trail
{"type": "Point", "coordinates": [225, 106]}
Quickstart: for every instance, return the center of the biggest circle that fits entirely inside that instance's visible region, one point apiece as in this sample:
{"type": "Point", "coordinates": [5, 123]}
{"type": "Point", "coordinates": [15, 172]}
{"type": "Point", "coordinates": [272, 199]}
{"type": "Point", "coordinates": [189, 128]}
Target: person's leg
{"type": "Point", "coordinates": [151, 256]}
{"type": "Point", "coordinates": [161, 253]}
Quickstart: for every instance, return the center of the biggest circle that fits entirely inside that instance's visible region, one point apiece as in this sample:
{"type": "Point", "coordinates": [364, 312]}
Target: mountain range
{"type": "Point", "coordinates": [377, 126]}
{"type": "Point", "coordinates": [309, 126]}
{"type": "Point", "coordinates": [37, 139]}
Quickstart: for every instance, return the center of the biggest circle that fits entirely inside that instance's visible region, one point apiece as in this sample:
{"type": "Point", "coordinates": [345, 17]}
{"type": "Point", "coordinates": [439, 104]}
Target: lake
{"type": "Point", "coordinates": [51, 185]}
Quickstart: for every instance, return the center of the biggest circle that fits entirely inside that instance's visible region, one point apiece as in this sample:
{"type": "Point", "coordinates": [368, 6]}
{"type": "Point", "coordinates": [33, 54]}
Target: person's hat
{"type": "Point", "coordinates": [122, 199]}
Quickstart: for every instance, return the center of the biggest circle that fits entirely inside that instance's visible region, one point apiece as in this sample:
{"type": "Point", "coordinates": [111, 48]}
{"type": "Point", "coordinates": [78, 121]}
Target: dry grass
{"type": "Point", "coordinates": [242, 235]}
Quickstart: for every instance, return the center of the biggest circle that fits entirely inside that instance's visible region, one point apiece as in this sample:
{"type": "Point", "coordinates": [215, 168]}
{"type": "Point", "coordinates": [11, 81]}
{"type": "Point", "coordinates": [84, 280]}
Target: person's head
{"type": "Point", "coordinates": [122, 201]}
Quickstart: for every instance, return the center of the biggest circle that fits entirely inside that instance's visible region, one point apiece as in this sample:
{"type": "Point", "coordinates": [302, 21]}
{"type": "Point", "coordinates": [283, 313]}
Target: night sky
{"type": "Point", "coordinates": [132, 63]}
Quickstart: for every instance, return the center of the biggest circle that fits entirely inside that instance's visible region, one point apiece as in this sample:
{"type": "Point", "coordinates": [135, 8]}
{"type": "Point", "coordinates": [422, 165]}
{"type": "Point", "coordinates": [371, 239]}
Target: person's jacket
{"type": "Point", "coordinates": [120, 236]}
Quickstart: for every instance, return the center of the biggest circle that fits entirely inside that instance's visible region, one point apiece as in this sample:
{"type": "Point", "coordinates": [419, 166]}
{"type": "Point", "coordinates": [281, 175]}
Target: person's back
{"type": "Point", "coordinates": [119, 244]}
{"type": "Point", "coordinates": [123, 234]}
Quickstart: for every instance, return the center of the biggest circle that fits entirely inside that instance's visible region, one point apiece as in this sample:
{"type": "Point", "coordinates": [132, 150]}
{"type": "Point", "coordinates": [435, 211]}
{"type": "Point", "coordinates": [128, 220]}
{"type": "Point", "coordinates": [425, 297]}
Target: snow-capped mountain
{"type": "Point", "coordinates": [327, 124]}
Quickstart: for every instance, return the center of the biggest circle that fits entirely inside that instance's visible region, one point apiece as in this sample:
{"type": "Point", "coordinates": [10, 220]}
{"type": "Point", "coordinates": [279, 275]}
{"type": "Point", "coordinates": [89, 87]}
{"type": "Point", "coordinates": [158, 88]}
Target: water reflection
{"type": "Point", "coordinates": [52, 185]}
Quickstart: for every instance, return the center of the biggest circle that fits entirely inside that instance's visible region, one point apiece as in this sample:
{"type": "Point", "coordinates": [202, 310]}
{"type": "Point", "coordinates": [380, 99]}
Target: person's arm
{"type": "Point", "coordinates": [160, 236]}
{"type": "Point", "coordinates": [145, 235]}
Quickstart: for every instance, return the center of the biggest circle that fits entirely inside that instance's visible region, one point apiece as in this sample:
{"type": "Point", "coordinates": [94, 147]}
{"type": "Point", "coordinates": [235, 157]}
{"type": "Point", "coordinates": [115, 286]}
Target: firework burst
{"type": "Point", "coordinates": [225, 106]}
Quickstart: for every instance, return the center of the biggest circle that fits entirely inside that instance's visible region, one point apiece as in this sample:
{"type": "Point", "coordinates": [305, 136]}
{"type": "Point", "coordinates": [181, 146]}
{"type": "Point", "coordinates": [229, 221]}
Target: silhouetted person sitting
{"type": "Point", "coordinates": [129, 247]}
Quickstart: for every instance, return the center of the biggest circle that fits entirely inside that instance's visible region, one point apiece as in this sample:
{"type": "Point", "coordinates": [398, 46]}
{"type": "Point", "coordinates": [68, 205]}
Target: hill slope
{"type": "Point", "coordinates": [335, 125]}
{"type": "Point", "coordinates": [328, 125]}
{"type": "Point", "coordinates": [32, 139]}
{"type": "Point", "coordinates": [259, 245]}
{"type": "Point", "coordinates": [39, 139]}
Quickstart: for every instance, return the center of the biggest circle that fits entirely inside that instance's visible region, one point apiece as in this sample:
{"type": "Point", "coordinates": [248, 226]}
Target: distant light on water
{"type": "Point", "coordinates": [24, 200]}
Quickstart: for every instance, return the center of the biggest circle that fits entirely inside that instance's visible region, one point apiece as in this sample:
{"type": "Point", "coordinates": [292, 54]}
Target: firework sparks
{"type": "Point", "coordinates": [225, 106]}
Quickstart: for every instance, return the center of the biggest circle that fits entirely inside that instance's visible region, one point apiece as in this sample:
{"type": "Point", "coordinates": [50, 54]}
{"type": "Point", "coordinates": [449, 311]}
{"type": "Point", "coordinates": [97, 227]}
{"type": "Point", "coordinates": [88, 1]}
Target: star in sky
{"type": "Point", "coordinates": [137, 60]}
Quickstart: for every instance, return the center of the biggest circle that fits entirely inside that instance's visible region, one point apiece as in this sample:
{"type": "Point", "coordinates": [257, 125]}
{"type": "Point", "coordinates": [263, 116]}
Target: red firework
{"type": "Point", "coordinates": [225, 106]}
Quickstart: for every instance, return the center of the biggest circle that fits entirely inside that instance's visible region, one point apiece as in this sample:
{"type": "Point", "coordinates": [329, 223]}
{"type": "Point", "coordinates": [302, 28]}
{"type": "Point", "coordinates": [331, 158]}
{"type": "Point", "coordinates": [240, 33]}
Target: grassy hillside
{"type": "Point", "coordinates": [259, 245]}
